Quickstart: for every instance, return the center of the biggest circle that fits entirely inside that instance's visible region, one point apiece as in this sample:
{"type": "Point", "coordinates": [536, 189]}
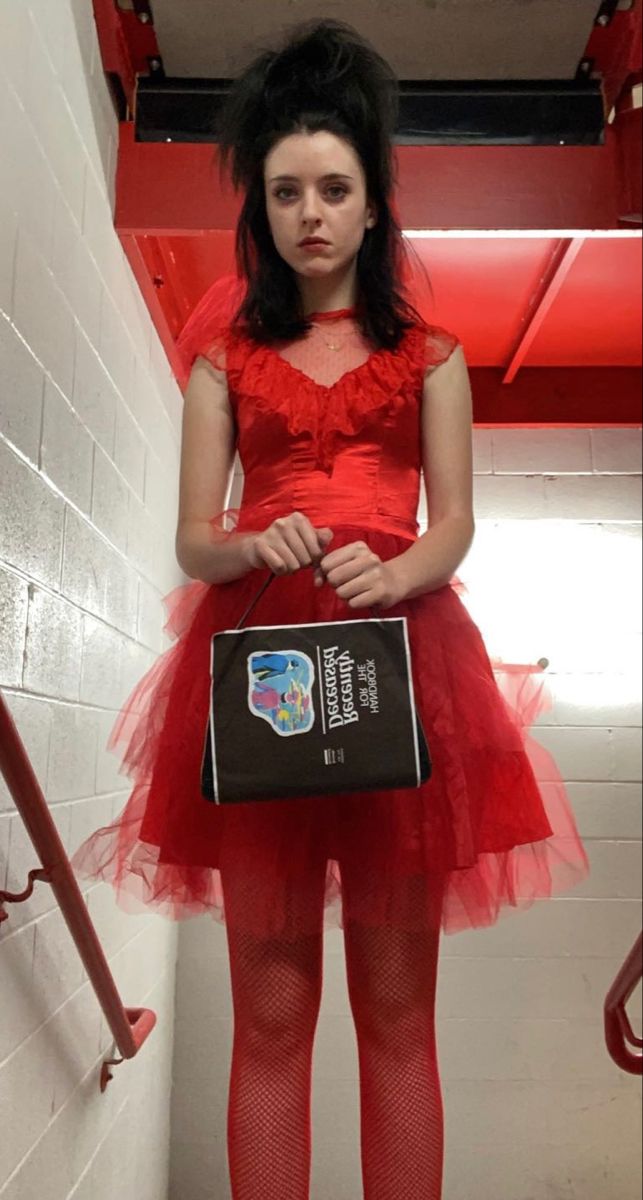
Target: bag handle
{"type": "Point", "coordinates": [258, 596]}
{"type": "Point", "coordinates": [260, 593]}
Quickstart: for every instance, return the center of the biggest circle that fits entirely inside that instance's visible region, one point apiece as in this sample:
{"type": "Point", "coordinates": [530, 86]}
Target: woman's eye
{"type": "Point", "coordinates": [339, 191]}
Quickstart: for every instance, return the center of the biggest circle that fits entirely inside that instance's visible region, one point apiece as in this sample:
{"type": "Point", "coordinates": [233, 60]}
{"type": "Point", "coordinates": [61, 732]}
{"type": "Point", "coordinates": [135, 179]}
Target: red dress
{"type": "Point", "coordinates": [494, 821]}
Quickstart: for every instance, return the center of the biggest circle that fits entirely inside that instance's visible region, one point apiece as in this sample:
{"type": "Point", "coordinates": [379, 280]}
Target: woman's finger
{"type": "Point", "coordinates": [324, 537]}
{"type": "Point", "coordinates": [352, 569]}
{"type": "Point", "coordinates": [270, 558]}
{"type": "Point", "coordinates": [364, 600]}
{"type": "Point", "coordinates": [343, 554]}
{"type": "Point", "coordinates": [364, 582]}
{"type": "Point", "coordinates": [316, 539]}
{"type": "Point", "coordinates": [296, 544]}
{"type": "Point", "coordinates": [301, 537]}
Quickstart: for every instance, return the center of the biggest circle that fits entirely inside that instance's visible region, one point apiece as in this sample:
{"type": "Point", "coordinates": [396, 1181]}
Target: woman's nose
{"type": "Point", "coordinates": [311, 207]}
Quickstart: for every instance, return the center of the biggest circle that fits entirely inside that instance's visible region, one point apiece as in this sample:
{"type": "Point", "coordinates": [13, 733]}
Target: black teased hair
{"type": "Point", "coordinates": [325, 77]}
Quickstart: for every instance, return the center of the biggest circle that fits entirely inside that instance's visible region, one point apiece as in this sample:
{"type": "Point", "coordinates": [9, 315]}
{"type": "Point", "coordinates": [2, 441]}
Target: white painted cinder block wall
{"type": "Point", "coordinates": [535, 1108]}
{"type": "Point", "coordinates": [88, 449]}
{"type": "Point", "coordinates": [89, 434]}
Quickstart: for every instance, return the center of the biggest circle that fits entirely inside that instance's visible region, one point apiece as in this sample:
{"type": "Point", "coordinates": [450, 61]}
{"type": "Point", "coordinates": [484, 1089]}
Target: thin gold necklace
{"type": "Point", "coordinates": [331, 345]}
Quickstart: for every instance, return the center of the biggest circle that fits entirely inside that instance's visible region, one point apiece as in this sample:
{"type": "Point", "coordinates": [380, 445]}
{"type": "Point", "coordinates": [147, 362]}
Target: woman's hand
{"type": "Point", "coordinates": [360, 577]}
{"type": "Point", "coordinates": [288, 544]}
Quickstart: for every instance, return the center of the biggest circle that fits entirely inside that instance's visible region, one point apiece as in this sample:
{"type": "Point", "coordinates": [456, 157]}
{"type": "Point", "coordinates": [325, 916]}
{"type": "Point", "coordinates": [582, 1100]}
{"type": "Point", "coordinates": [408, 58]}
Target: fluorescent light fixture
{"type": "Point", "coordinates": [567, 591]}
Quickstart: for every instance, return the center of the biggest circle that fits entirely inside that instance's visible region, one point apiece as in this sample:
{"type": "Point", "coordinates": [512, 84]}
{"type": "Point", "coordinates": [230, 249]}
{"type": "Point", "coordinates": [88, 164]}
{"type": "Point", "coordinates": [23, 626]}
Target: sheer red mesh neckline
{"type": "Point", "coordinates": [336, 313]}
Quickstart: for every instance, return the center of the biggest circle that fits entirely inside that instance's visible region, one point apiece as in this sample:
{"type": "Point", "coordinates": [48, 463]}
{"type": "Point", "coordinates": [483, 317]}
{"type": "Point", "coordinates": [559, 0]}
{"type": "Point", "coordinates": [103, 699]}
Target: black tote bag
{"type": "Point", "coordinates": [311, 709]}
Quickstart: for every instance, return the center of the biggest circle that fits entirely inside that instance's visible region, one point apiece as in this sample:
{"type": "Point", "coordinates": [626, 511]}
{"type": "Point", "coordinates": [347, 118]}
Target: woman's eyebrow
{"type": "Point", "coordinates": [295, 178]}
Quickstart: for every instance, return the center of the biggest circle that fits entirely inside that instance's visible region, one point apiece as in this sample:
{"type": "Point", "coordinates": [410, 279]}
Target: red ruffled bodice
{"type": "Point", "coordinates": [345, 450]}
{"type": "Point", "coordinates": [353, 446]}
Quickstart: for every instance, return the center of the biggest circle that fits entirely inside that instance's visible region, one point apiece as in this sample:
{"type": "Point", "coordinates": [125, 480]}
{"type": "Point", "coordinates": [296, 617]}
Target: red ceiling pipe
{"type": "Point", "coordinates": [130, 1026]}
{"type": "Point", "coordinates": [623, 1045]}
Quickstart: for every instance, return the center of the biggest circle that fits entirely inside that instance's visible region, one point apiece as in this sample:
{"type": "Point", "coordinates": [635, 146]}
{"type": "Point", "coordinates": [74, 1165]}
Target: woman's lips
{"type": "Point", "coordinates": [313, 246]}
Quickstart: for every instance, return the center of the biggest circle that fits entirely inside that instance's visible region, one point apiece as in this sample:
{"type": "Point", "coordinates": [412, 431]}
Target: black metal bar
{"type": "Point", "coordinates": [515, 112]}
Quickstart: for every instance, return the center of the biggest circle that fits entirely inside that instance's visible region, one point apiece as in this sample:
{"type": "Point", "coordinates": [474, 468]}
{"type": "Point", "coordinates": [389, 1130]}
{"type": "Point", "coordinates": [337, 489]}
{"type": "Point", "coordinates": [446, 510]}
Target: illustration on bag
{"type": "Point", "coordinates": [280, 690]}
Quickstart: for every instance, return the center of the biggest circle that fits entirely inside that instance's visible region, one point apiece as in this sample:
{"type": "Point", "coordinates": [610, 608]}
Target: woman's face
{"type": "Point", "coordinates": [316, 187]}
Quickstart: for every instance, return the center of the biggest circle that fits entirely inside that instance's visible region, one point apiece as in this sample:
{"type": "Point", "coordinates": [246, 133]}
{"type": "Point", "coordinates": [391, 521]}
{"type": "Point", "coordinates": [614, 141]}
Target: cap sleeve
{"type": "Point", "coordinates": [207, 330]}
{"type": "Point", "coordinates": [439, 345]}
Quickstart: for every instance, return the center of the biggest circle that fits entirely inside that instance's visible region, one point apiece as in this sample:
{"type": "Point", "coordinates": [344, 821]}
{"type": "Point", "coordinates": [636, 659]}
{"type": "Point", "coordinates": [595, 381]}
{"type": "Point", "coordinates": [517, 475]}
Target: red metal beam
{"type": "Point", "coordinates": [562, 262]}
{"type": "Point", "coordinates": [628, 129]}
{"type": "Point", "coordinates": [615, 54]}
{"type": "Point", "coordinates": [167, 189]}
{"type": "Point", "coordinates": [586, 397]}
{"type": "Point", "coordinates": [615, 50]}
{"type": "Point", "coordinates": [128, 44]}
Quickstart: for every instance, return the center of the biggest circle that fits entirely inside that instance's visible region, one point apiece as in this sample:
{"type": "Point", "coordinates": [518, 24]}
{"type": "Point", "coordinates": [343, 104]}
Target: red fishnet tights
{"type": "Point", "coordinates": [276, 988]}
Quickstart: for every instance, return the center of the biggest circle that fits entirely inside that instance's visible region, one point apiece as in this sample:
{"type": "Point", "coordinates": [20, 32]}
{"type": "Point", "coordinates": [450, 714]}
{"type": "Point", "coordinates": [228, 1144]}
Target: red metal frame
{"type": "Point", "coordinates": [625, 1048]}
{"type": "Point", "coordinates": [177, 224]}
{"type": "Point", "coordinates": [557, 397]}
{"type": "Point", "coordinates": [128, 42]}
{"type": "Point", "coordinates": [130, 1026]}
{"type": "Point", "coordinates": [128, 45]}
{"type": "Point", "coordinates": [629, 130]}
{"type": "Point", "coordinates": [165, 190]}
{"type": "Point", "coordinates": [564, 260]}
{"type": "Point", "coordinates": [614, 49]}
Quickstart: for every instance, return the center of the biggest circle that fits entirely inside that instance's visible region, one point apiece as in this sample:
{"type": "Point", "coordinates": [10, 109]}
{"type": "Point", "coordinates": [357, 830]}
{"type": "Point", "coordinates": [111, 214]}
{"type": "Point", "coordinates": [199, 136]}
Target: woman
{"type": "Point", "coordinates": [336, 394]}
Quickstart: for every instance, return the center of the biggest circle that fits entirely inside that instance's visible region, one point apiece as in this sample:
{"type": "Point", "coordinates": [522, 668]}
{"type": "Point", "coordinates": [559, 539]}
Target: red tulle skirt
{"type": "Point", "coordinates": [493, 824]}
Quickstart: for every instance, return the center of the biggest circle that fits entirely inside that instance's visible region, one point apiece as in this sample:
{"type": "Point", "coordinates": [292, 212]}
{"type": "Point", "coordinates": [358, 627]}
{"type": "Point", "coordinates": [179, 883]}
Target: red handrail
{"type": "Point", "coordinates": [130, 1026]}
{"type": "Point", "coordinates": [622, 1043]}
